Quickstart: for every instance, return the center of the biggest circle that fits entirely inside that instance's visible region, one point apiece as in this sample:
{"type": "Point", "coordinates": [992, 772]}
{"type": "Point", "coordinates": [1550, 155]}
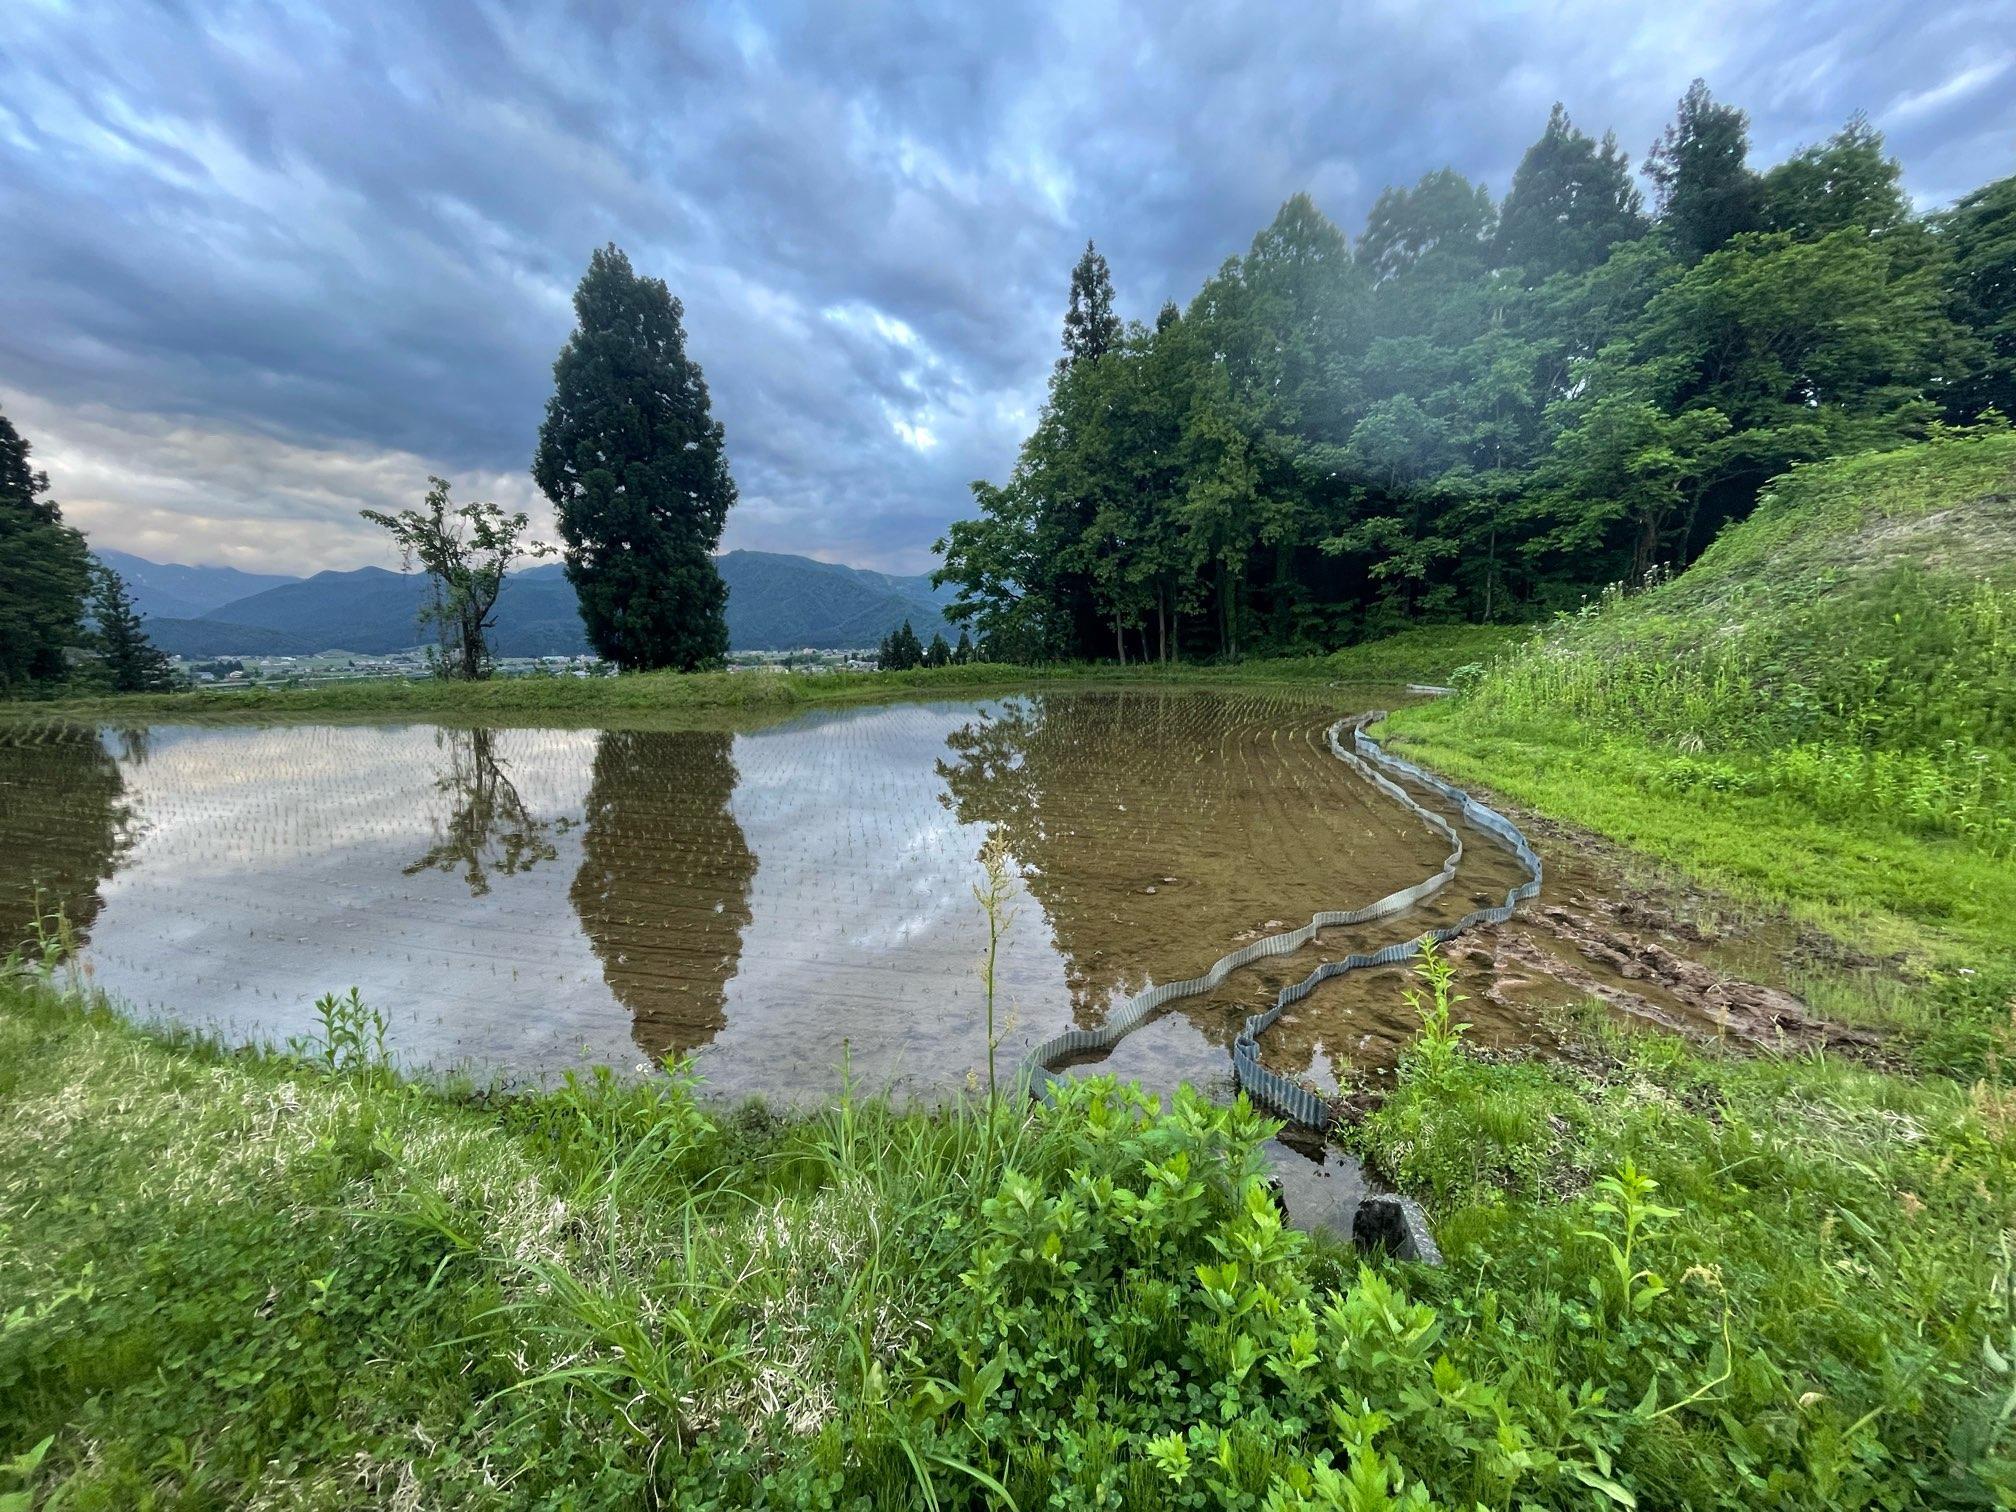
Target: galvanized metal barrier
{"type": "Point", "coordinates": [1289, 1099]}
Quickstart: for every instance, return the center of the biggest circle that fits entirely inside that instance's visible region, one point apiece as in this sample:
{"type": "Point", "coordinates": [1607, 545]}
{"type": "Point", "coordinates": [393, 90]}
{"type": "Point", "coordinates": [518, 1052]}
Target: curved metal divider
{"type": "Point", "coordinates": [1282, 1096]}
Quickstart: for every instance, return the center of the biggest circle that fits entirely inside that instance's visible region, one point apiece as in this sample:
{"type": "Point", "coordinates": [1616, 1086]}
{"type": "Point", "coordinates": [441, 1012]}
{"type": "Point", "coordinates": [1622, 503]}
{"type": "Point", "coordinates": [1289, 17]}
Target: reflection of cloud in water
{"type": "Point", "coordinates": [864, 940]}
{"type": "Point", "coordinates": [272, 866]}
{"type": "Point", "coordinates": [775, 901]}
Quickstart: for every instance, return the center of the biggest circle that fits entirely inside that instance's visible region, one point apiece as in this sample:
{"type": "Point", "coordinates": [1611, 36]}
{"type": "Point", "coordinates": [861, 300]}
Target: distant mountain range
{"type": "Point", "coordinates": [775, 603]}
{"type": "Point", "coordinates": [176, 592]}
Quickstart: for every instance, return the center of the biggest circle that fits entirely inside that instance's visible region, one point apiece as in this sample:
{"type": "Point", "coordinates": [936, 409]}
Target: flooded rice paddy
{"type": "Point", "coordinates": [788, 902]}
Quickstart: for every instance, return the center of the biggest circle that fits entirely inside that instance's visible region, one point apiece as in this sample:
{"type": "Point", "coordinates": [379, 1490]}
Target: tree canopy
{"type": "Point", "coordinates": [633, 461]}
{"type": "Point", "coordinates": [465, 552]}
{"type": "Point", "coordinates": [45, 571]}
{"type": "Point", "coordinates": [1481, 410]}
{"type": "Point", "coordinates": [131, 662]}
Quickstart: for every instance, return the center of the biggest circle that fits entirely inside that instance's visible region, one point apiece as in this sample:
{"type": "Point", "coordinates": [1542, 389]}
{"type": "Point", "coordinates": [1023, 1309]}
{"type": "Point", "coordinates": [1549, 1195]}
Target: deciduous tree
{"type": "Point", "coordinates": [465, 552]}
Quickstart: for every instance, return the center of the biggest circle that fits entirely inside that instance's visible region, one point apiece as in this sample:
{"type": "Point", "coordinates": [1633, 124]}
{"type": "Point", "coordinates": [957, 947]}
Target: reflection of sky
{"type": "Point", "coordinates": [268, 869]}
{"type": "Point", "coordinates": [271, 865]}
{"type": "Point", "coordinates": [865, 939]}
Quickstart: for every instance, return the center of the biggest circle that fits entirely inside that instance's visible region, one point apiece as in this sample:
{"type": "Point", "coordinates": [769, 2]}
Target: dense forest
{"type": "Point", "coordinates": [1483, 410]}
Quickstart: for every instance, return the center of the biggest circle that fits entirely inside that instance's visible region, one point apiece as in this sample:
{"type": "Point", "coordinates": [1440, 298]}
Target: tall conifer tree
{"type": "Point", "coordinates": [1707, 192]}
{"type": "Point", "coordinates": [45, 571]}
{"type": "Point", "coordinates": [132, 661]}
{"type": "Point", "coordinates": [633, 461]}
{"type": "Point", "coordinates": [1571, 201]}
{"type": "Point", "coordinates": [1091, 328]}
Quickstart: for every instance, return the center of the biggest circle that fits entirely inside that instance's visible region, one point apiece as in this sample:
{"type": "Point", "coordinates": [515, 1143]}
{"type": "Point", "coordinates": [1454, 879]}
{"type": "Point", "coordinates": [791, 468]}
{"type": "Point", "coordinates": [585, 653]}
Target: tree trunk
{"type": "Point", "coordinates": [1648, 547]}
{"type": "Point", "coordinates": [1119, 637]}
{"type": "Point", "coordinates": [1490, 571]}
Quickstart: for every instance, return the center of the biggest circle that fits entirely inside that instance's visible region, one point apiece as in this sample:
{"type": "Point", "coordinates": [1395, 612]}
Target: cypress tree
{"type": "Point", "coordinates": [633, 461]}
{"type": "Point", "coordinates": [45, 571]}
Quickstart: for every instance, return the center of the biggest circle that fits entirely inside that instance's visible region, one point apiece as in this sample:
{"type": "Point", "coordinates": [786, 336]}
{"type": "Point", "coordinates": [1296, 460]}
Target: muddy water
{"type": "Point", "coordinates": [778, 901]}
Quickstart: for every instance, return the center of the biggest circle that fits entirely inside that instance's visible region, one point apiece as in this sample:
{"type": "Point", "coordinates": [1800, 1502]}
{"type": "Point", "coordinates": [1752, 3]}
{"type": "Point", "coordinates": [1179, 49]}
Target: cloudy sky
{"type": "Point", "coordinates": [263, 264]}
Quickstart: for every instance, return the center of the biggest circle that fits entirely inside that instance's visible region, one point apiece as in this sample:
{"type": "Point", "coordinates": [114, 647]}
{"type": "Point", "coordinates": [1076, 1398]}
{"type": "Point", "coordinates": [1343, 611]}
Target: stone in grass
{"type": "Point", "coordinates": [1397, 1225]}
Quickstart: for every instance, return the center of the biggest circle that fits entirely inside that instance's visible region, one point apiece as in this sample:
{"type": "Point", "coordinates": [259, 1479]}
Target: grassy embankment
{"type": "Point", "coordinates": [1819, 716]}
{"type": "Point", "coordinates": [304, 1281]}
{"type": "Point", "coordinates": [237, 1279]}
{"type": "Point", "coordinates": [1428, 654]}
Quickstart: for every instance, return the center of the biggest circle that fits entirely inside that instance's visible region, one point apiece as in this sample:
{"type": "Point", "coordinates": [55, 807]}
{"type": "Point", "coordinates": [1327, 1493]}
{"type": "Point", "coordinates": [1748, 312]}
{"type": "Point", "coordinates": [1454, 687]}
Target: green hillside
{"type": "Point", "coordinates": [1821, 712]}
{"type": "Point", "coordinates": [781, 603]}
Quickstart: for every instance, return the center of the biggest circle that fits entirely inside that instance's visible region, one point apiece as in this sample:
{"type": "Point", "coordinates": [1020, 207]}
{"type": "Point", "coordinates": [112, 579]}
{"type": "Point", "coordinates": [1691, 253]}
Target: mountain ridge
{"type": "Point", "coordinates": [776, 602]}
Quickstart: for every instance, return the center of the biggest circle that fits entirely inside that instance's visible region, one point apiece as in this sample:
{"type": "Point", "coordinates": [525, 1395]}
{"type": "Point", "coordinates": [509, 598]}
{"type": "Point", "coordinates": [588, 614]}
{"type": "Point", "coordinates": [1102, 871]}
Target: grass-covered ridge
{"type": "Point", "coordinates": [1431, 654]}
{"type": "Point", "coordinates": [1820, 713]}
{"type": "Point", "coordinates": [246, 1279]}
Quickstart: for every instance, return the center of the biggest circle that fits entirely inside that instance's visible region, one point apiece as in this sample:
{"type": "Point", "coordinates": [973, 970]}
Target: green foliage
{"type": "Point", "coordinates": [45, 572]}
{"type": "Point", "coordinates": [1819, 714]}
{"type": "Point", "coordinates": [465, 553]}
{"type": "Point", "coordinates": [632, 459]}
{"type": "Point", "coordinates": [1485, 411]}
{"type": "Point", "coordinates": [1091, 328]}
{"type": "Point", "coordinates": [131, 662]}
{"type": "Point", "coordinates": [1571, 201]}
{"type": "Point", "coordinates": [1459, 1129]}
{"type": "Point", "coordinates": [1426, 654]}
{"type": "Point", "coordinates": [1980, 233]}
{"type": "Point", "coordinates": [681, 694]}
{"type": "Point", "coordinates": [1845, 183]}
{"type": "Point", "coordinates": [1863, 684]}
{"type": "Point", "coordinates": [1707, 193]}
{"type": "Point", "coordinates": [901, 651]}
{"type": "Point", "coordinates": [349, 1035]}
{"type": "Point", "coordinates": [239, 1278]}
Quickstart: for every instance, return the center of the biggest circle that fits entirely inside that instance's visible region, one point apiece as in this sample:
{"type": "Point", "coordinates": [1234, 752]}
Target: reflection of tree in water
{"type": "Point", "coordinates": [1083, 787]}
{"type": "Point", "coordinates": [488, 828]}
{"type": "Point", "coordinates": [64, 825]}
{"type": "Point", "coordinates": [663, 890]}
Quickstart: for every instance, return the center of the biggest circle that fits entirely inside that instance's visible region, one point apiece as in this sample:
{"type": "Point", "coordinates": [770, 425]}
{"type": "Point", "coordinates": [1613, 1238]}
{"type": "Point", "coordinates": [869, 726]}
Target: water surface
{"type": "Point", "coordinates": [780, 901]}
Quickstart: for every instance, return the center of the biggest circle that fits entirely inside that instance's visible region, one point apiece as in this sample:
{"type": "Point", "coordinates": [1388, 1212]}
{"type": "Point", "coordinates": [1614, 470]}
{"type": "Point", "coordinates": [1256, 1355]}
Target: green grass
{"type": "Point", "coordinates": [1819, 717]}
{"type": "Point", "coordinates": [256, 1279]}
{"type": "Point", "coordinates": [1426, 655]}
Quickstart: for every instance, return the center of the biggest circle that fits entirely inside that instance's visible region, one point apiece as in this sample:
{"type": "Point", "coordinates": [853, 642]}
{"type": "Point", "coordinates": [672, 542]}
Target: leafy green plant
{"type": "Point", "coordinates": [1625, 1199]}
{"type": "Point", "coordinates": [1438, 1042]}
{"type": "Point", "coordinates": [349, 1035]}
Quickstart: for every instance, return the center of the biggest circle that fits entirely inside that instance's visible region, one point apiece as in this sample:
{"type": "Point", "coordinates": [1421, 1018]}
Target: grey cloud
{"type": "Point", "coordinates": [310, 253]}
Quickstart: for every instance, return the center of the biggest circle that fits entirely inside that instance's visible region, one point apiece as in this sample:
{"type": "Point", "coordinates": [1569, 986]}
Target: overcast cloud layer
{"type": "Point", "coordinates": [263, 264]}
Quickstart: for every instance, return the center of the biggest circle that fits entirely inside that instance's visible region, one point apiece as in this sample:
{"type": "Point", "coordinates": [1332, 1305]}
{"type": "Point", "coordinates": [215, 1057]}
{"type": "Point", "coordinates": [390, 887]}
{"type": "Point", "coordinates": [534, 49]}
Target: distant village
{"type": "Point", "coordinates": [342, 666]}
